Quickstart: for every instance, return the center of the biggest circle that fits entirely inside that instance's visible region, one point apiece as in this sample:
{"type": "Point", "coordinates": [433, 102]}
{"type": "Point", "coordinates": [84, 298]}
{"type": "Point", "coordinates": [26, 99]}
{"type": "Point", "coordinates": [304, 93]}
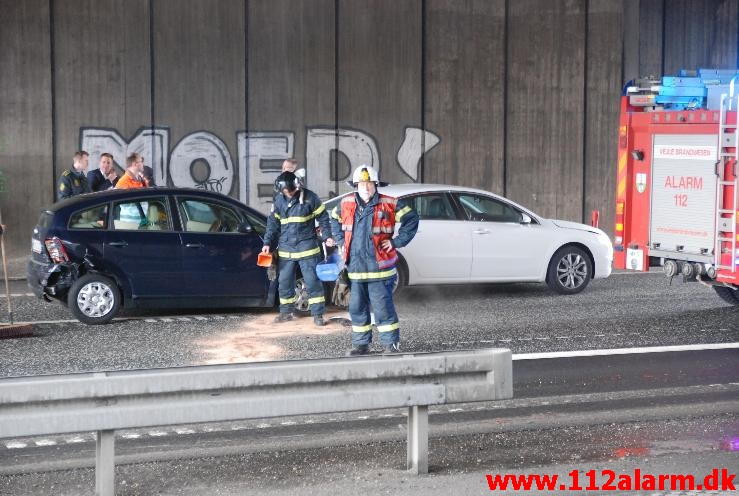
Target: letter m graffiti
{"type": "Point", "coordinates": [152, 143]}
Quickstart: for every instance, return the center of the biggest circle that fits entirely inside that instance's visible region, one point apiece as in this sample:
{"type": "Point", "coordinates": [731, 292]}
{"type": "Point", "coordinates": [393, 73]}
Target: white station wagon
{"type": "Point", "coordinates": [473, 236]}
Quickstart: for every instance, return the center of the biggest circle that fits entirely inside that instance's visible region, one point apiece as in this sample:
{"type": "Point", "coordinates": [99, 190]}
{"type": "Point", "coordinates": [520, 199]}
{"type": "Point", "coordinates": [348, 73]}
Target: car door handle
{"type": "Point", "coordinates": [194, 245]}
{"type": "Point", "coordinates": [481, 231]}
{"type": "Point", "coordinates": [119, 244]}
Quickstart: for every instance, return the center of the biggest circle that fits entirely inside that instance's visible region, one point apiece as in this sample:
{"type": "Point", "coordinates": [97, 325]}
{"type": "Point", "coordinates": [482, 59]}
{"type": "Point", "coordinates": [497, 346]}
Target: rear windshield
{"type": "Point", "coordinates": [44, 221]}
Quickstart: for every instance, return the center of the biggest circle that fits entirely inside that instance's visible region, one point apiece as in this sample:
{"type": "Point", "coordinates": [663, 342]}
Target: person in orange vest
{"type": "Point", "coordinates": [363, 224]}
{"type": "Point", "coordinates": [134, 176]}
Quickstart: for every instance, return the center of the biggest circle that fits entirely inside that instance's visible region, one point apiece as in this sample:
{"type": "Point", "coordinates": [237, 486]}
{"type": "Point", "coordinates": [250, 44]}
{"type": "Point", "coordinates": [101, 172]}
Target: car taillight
{"type": "Point", "coordinates": [56, 250]}
{"type": "Point", "coordinates": [619, 223]}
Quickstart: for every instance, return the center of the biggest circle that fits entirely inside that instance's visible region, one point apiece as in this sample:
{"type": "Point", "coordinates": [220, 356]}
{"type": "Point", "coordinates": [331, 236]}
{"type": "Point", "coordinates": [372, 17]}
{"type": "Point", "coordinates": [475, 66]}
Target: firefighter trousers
{"type": "Point", "coordinates": [377, 296]}
{"type": "Point", "coordinates": [316, 295]}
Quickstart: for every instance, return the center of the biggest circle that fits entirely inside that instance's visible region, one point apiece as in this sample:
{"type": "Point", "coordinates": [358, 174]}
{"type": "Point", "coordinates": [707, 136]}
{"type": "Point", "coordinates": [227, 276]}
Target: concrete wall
{"type": "Point", "coordinates": [519, 97]}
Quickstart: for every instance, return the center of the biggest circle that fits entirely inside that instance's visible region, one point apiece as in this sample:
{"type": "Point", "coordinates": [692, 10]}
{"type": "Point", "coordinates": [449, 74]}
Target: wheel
{"type": "Point", "coordinates": [302, 306]}
{"type": "Point", "coordinates": [569, 271]}
{"type": "Point", "coordinates": [94, 299]}
{"type": "Point", "coordinates": [727, 294]}
{"type": "Point", "coordinates": [401, 281]}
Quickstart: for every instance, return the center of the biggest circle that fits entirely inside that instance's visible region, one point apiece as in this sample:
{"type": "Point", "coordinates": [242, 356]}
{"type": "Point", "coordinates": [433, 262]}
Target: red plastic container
{"type": "Point", "coordinates": [264, 259]}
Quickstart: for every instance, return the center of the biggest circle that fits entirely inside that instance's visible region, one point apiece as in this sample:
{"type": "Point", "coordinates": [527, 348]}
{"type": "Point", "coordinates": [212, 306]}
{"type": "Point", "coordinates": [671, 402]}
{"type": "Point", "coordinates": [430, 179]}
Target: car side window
{"type": "Point", "coordinates": [92, 218]}
{"type": "Point", "coordinates": [434, 206]}
{"type": "Point", "coordinates": [486, 209]}
{"type": "Point", "coordinates": [149, 214]}
{"type": "Point", "coordinates": [204, 216]}
{"type": "Point", "coordinates": [256, 222]}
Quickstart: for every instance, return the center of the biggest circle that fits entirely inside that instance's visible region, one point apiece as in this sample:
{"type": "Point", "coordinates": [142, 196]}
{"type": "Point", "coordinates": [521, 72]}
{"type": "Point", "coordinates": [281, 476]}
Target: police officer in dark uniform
{"type": "Point", "coordinates": [73, 181]}
{"type": "Point", "coordinates": [292, 227]}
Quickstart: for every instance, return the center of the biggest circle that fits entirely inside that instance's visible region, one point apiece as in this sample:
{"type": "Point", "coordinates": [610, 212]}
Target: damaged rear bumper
{"type": "Point", "coordinates": [49, 281]}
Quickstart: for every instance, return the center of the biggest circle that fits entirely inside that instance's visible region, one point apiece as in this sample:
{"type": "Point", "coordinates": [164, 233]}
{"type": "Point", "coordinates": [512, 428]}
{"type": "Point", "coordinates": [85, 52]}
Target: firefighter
{"type": "Point", "coordinates": [73, 181]}
{"type": "Point", "coordinates": [364, 223]}
{"type": "Point", "coordinates": [291, 226]}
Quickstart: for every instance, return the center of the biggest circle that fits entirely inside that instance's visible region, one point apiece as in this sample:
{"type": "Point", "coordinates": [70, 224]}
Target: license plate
{"type": "Point", "coordinates": [36, 245]}
{"type": "Point", "coordinates": [635, 259]}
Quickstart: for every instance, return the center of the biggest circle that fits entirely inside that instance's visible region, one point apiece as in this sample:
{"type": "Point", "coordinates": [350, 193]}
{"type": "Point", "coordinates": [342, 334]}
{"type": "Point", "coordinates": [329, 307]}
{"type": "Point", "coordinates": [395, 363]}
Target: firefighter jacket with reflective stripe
{"type": "Point", "coordinates": [361, 227]}
{"type": "Point", "coordinates": [291, 225]}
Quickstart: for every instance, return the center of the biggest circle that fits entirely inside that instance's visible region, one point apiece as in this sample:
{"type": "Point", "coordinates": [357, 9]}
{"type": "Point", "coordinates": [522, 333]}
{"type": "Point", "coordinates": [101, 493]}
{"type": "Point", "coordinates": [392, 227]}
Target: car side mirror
{"type": "Point", "coordinates": [245, 228]}
{"type": "Point", "coordinates": [525, 219]}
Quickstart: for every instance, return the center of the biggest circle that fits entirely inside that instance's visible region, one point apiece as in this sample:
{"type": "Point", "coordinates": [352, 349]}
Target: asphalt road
{"type": "Point", "coordinates": [664, 413]}
{"type": "Point", "coordinates": [624, 311]}
{"type": "Point", "coordinates": [688, 429]}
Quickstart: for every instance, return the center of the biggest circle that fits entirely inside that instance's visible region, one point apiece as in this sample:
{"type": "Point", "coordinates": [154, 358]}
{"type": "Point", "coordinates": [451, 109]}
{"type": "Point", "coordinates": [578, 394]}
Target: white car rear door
{"type": "Point", "coordinates": [442, 248]}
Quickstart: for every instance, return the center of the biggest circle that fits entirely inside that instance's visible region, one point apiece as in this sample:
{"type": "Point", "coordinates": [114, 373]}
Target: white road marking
{"type": "Point", "coordinates": [185, 431]}
{"type": "Point", "coordinates": [75, 440]}
{"type": "Point", "coordinates": [263, 426]}
{"type": "Point", "coordinates": [45, 442]}
{"type": "Point", "coordinates": [17, 295]}
{"type": "Point", "coordinates": [626, 351]}
{"type": "Point", "coordinates": [131, 435]}
{"type": "Point", "coordinates": [158, 433]}
{"type": "Point", "coordinates": [289, 422]}
{"type": "Point", "coordinates": [15, 445]}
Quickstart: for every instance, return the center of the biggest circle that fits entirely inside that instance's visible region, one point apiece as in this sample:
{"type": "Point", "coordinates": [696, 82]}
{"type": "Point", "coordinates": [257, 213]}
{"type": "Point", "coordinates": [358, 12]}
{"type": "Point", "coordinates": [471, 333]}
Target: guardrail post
{"type": "Point", "coordinates": [418, 439]}
{"type": "Point", "coordinates": [105, 463]}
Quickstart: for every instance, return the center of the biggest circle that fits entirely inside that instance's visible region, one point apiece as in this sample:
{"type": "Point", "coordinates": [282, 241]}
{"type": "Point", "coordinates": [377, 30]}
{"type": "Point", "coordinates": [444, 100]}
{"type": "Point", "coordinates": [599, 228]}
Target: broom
{"type": "Point", "coordinates": [10, 330]}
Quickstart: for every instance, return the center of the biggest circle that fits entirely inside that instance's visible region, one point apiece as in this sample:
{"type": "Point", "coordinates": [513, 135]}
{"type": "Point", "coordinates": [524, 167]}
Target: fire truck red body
{"type": "Point", "coordinates": [676, 198]}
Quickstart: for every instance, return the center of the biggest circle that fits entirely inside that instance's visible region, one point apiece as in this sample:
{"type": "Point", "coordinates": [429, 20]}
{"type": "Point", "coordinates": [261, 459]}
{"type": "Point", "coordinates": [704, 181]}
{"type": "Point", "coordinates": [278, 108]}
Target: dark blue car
{"type": "Point", "coordinates": [149, 248]}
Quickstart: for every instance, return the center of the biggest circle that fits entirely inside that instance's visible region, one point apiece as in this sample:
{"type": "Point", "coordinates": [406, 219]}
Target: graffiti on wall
{"type": "Point", "coordinates": [202, 160]}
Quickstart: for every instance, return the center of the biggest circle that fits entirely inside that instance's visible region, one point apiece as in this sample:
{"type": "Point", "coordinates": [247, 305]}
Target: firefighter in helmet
{"type": "Point", "coordinates": [364, 224]}
{"type": "Point", "coordinates": [291, 227]}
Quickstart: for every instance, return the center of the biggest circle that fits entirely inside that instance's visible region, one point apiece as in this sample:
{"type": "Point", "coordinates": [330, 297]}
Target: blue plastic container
{"type": "Point", "coordinates": [328, 270]}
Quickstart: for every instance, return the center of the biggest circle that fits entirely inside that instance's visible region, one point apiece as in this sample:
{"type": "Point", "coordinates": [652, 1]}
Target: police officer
{"type": "Point", "coordinates": [291, 226]}
{"type": "Point", "coordinates": [73, 181]}
{"type": "Point", "coordinates": [364, 223]}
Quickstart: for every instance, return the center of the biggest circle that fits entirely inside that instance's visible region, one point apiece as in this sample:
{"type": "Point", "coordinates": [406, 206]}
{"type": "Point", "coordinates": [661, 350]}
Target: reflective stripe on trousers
{"type": "Point", "coordinates": [288, 268]}
{"type": "Point", "coordinates": [375, 296]}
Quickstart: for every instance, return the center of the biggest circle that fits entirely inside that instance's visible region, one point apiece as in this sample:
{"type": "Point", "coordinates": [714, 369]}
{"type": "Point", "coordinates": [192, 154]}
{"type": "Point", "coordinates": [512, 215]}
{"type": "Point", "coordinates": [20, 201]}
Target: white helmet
{"type": "Point", "coordinates": [365, 173]}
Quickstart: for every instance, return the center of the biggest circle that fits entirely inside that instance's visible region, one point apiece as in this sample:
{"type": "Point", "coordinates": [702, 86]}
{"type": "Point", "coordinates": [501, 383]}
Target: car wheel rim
{"type": "Point", "coordinates": [95, 299]}
{"type": "Point", "coordinates": [301, 295]}
{"type": "Point", "coordinates": [572, 271]}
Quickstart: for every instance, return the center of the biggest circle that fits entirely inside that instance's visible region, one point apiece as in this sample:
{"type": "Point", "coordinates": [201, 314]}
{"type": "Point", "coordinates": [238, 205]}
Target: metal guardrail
{"type": "Point", "coordinates": [106, 401]}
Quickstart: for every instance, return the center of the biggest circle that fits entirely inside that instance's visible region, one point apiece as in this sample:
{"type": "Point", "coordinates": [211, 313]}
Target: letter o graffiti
{"type": "Point", "coordinates": [205, 146]}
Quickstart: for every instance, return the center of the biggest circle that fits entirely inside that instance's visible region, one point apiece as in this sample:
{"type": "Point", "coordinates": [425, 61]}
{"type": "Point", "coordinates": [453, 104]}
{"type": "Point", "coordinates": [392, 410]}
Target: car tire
{"type": "Point", "coordinates": [302, 308]}
{"type": "Point", "coordinates": [94, 299]}
{"type": "Point", "coordinates": [401, 281]}
{"type": "Point", "coordinates": [729, 295]}
{"type": "Point", "coordinates": [570, 271]}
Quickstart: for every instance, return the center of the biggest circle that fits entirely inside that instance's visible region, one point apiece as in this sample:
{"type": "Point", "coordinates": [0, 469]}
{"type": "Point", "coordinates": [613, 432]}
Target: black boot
{"type": "Point", "coordinates": [283, 317]}
{"type": "Point", "coordinates": [318, 320]}
{"type": "Point", "coordinates": [358, 350]}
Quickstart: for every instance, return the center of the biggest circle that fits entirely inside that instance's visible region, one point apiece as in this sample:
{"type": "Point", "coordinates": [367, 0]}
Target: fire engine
{"type": "Point", "coordinates": [676, 193]}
